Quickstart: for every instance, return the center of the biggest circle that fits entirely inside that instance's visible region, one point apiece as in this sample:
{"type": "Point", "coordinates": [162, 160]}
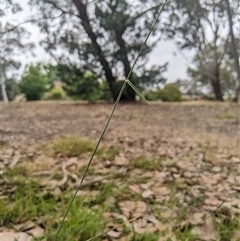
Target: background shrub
{"type": "Point", "coordinates": [169, 93]}
{"type": "Point", "coordinates": [57, 94]}
{"type": "Point", "coordinates": [209, 97]}
{"type": "Point", "coordinates": [34, 83]}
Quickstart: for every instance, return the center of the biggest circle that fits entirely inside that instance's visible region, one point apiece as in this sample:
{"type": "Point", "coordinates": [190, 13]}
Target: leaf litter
{"type": "Point", "coordinates": [188, 179]}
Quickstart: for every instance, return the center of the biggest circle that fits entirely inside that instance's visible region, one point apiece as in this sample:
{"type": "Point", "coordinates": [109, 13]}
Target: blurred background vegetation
{"type": "Point", "coordinates": [93, 46]}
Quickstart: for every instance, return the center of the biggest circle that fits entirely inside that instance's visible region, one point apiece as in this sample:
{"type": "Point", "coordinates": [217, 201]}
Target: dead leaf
{"type": "Point", "coordinates": [212, 202]}
{"type": "Point", "coordinates": [147, 194]}
{"type": "Point", "coordinates": [25, 226]}
{"type": "Point", "coordinates": [206, 231]}
{"type": "Point", "coordinates": [135, 188]}
{"type": "Point", "coordinates": [163, 191]}
{"type": "Point", "coordinates": [114, 234]}
{"type": "Point", "coordinates": [120, 160]}
{"type": "Point", "coordinates": [36, 232]}
{"type": "Point", "coordinates": [10, 236]}
{"type": "Point", "coordinates": [236, 236]}
{"type": "Point", "coordinates": [161, 226]}
{"type": "Point", "coordinates": [140, 208]}
{"type": "Point", "coordinates": [127, 207]}
{"type": "Point", "coordinates": [71, 161]}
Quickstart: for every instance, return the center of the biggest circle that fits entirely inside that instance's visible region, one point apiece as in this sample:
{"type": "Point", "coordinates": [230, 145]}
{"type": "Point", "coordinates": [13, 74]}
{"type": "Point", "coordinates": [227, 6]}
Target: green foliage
{"type": "Point", "coordinates": [199, 78]}
{"type": "Point", "coordinates": [151, 95]}
{"type": "Point", "coordinates": [169, 93]}
{"type": "Point", "coordinates": [145, 163]}
{"type": "Point", "coordinates": [105, 90]}
{"type": "Point", "coordinates": [209, 97]}
{"type": "Point", "coordinates": [11, 89]}
{"type": "Point", "coordinates": [57, 94]}
{"type": "Point", "coordinates": [145, 237]}
{"type": "Point", "coordinates": [128, 29]}
{"type": "Point", "coordinates": [34, 82]}
{"type": "Point", "coordinates": [227, 116]}
{"type": "Point", "coordinates": [71, 146]}
{"type": "Point", "coordinates": [79, 84]}
{"type": "Point", "coordinates": [29, 201]}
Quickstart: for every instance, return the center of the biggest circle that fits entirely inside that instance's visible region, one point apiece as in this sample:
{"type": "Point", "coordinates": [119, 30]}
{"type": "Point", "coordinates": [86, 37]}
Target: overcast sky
{"type": "Point", "coordinates": [164, 52]}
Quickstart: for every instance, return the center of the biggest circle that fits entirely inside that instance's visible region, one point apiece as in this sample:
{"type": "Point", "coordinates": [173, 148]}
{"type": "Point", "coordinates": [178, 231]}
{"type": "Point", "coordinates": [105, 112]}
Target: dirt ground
{"type": "Point", "coordinates": [36, 122]}
{"type": "Point", "coordinates": [199, 144]}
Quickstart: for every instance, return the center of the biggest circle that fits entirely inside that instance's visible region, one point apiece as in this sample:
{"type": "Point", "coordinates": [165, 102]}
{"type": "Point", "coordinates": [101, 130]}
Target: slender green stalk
{"type": "Point", "coordinates": [144, 43]}
{"type": "Point", "coordinates": [139, 93]}
{"type": "Point", "coordinates": [108, 121]}
{"type": "Point", "coordinates": [91, 158]}
{"type": "Point", "coordinates": [116, 226]}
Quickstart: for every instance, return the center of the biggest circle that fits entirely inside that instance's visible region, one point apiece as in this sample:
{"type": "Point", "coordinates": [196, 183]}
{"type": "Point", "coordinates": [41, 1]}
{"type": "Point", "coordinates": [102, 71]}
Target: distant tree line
{"type": "Point", "coordinates": [101, 39]}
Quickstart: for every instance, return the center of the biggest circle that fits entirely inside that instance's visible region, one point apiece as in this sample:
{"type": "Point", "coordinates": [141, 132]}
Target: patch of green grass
{"type": "Point", "coordinates": [146, 164]}
{"type": "Point", "coordinates": [106, 190]}
{"type": "Point", "coordinates": [140, 179]}
{"type": "Point", "coordinates": [71, 146]}
{"type": "Point", "coordinates": [226, 225]}
{"type": "Point", "coordinates": [25, 203]}
{"type": "Point", "coordinates": [108, 153]}
{"type": "Point", "coordinates": [197, 201]}
{"type": "Point", "coordinates": [16, 171]}
{"type": "Point", "coordinates": [227, 115]}
{"type": "Point", "coordinates": [29, 201]}
{"type": "Point", "coordinates": [184, 233]}
{"type": "Point", "coordinates": [145, 237]}
{"type": "Point", "coordinates": [81, 224]}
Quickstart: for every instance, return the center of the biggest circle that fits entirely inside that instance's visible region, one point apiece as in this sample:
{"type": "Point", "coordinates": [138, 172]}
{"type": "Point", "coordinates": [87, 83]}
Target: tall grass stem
{"type": "Point", "coordinates": [108, 121]}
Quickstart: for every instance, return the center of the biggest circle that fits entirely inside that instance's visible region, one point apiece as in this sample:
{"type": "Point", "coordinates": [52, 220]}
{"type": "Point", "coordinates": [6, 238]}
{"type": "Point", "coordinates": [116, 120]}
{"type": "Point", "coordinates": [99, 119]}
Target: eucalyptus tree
{"type": "Point", "coordinates": [104, 35]}
{"type": "Point", "coordinates": [13, 42]}
{"type": "Point", "coordinates": [201, 25]}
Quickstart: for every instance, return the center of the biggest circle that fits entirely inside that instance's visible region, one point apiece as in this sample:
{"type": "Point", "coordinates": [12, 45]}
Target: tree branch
{"type": "Point", "coordinates": [131, 20]}
{"type": "Point", "coordinates": [59, 8]}
{"type": "Point", "coordinates": [16, 26]}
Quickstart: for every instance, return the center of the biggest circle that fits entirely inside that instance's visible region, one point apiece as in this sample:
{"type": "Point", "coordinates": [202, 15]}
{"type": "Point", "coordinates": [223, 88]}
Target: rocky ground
{"type": "Point", "coordinates": [169, 176]}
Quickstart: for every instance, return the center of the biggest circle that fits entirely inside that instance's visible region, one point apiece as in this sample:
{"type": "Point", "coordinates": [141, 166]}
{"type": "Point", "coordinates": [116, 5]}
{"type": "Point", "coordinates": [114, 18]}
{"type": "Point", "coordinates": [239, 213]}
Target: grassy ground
{"type": "Point", "coordinates": [155, 177]}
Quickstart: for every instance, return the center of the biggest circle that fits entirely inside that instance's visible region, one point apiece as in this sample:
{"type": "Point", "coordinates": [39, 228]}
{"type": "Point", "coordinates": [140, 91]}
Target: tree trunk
{"type": "Point", "coordinates": [214, 75]}
{"type": "Point", "coordinates": [3, 87]}
{"type": "Point", "coordinates": [130, 94]}
{"type": "Point", "coordinates": [82, 10]}
{"type": "Point", "coordinates": [234, 50]}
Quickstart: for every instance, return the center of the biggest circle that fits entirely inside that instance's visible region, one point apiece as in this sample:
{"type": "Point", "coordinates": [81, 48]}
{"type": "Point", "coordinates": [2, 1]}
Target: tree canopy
{"type": "Point", "coordinates": [105, 36]}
